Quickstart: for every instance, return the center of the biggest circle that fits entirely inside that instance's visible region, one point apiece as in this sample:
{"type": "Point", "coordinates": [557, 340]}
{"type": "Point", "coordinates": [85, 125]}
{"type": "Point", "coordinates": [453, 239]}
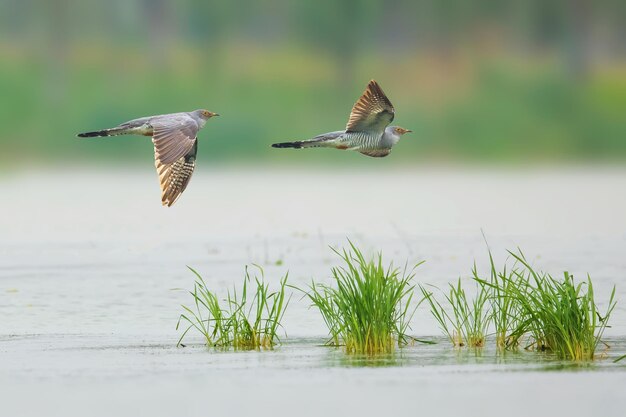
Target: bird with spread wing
{"type": "Point", "coordinates": [368, 130]}
{"type": "Point", "coordinates": [175, 146]}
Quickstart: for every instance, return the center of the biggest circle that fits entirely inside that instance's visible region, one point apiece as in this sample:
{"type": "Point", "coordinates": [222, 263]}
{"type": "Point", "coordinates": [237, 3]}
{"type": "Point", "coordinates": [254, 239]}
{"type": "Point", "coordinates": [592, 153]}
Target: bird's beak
{"type": "Point", "coordinates": [214, 114]}
{"type": "Point", "coordinates": [407, 131]}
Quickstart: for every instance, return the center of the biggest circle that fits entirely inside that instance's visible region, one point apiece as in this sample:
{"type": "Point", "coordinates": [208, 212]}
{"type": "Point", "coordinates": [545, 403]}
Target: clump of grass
{"type": "Point", "coordinates": [556, 315]}
{"type": "Point", "coordinates": [504, 309]}
{"type": "Point", "coordinates": [464, 322]}
{"type": "Point", "coordinates": [525, 308]}
{"type": "Point", "coordinates": [367, 311]}
{"type": "Point", "coordinates": [243, 320]}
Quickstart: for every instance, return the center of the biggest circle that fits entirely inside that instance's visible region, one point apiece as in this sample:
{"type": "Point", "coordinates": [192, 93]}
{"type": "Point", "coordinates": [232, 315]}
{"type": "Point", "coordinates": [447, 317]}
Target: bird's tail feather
{"type": "Point", "coordinates": [313, 143]}
{"type": "Point", "coordinates": [296, 145]}
{"type": "Point", "coordinates": [106, 132]}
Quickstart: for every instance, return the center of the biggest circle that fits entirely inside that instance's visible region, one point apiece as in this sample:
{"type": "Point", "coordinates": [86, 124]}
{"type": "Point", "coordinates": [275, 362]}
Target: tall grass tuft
{"type": "Point", "coordinates": [556, 315]}
{"type": "Point", "coordinates": [245, 320]}
{"type": "Point", "coordinates": [524, 308]}
{"type": "Point", "coordinates": [504, 309]}
{"type": "Point", "coordinates": [368, 309]}
{"type": "Point", "coordinates": [464, 322]}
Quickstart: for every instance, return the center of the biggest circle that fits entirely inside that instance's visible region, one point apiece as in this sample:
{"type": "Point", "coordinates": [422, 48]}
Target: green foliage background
{"type": "Point", "coordinates": [475, 80]}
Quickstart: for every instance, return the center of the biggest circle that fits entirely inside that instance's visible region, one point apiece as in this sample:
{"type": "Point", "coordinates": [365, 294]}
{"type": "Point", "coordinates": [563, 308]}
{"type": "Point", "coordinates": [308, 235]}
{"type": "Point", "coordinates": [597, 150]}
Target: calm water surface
{"type": "Point", "coordinates": [92, 274]}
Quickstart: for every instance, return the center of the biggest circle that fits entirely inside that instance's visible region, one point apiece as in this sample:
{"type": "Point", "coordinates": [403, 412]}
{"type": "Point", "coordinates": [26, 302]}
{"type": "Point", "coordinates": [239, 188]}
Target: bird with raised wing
{"type": "Point", "coordinates": [367, 131]}
{"type": "Point", "coordinates": [175, 146]}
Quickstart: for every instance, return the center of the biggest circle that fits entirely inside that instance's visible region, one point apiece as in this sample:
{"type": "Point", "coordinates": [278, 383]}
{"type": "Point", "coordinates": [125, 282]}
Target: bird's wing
{"type": "Point", "coordinates": [175, 177]}
{"type": "Point", "coordinates": [376, 153]}
{"type": "Point", "coordinates": [372, 112]}
{"type": "Point", "coordinates": [173, 137]}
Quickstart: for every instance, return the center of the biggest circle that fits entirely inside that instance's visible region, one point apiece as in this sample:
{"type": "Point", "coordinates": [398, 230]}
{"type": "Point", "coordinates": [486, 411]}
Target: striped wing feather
{"type": "Point", "coordinates": [372, 112]}
{"type": "Point", "coordinates": [376, 153]}
{"type": "Point", "coordinates": [173, 137]}
{"type": "Point", "coordinates": [175, 177]}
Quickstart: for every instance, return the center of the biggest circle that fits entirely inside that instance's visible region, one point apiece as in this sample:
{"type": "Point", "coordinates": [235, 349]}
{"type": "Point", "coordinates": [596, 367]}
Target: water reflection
{"type": "Point", "coordinates": [443, 354]}
{"type": "Point", "coordinates": [337, 357]}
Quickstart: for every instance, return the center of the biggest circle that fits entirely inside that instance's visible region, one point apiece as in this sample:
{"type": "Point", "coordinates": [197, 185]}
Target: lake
{"type": "Point", "coordinates": [93, 273]}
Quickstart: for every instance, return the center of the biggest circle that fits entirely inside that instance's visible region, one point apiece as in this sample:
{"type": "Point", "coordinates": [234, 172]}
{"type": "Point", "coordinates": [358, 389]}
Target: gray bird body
{"type": "Point", "coordinates": [367, 131]}
{"type": "Point", "coordinates": [175, 142]}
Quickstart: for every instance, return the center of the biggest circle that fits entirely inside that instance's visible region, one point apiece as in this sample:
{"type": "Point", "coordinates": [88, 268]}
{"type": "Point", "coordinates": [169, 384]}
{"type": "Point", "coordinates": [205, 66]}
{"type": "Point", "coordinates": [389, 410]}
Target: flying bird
{"type": "Point", "coordinates": [175, 146]}
{"type": "Point", "coordinates": [367, 131]}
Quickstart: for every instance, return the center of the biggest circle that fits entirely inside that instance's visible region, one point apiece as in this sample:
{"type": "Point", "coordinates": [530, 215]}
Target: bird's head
{"type": "Point", "coordinates": [400, 130]}
{"type": "Point", "coordinates": [205, 114]}
{"type": "Point", "coordinates": [394, 133]}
